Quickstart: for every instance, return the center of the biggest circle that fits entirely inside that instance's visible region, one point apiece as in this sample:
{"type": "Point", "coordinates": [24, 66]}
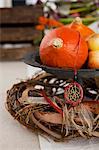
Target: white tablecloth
{"type": "Point", "coordinates": [14, 136]}
{"type": "Point", "coordinates": [74, 144]}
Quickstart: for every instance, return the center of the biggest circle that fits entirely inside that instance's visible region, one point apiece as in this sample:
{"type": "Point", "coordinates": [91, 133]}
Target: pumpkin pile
{"type": "Point", "coordinates": [66, 46]}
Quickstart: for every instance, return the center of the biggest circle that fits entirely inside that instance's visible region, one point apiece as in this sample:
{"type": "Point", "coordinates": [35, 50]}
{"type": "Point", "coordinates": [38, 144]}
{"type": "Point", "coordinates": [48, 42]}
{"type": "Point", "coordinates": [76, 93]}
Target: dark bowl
{"type": "Point", "coordinates": [33, 59]}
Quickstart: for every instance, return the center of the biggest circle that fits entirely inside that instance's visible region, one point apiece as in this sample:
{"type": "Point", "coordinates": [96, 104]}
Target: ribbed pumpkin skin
{"type": "Point", "coordinates": [72, 54]}
{"type": "Point", "coordinates": [84, 30]}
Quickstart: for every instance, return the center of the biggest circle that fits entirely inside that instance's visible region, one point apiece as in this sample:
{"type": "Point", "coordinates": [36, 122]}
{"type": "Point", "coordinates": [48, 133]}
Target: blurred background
{"type": "Point", "coordinates": [19, 19]}
{"type": "Point", "coordinates": [21, 31]}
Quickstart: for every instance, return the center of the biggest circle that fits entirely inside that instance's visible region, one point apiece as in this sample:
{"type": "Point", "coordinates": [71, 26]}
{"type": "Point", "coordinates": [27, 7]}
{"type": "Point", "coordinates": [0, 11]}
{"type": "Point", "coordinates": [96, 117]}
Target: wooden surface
{"type": "Point", "coordinates": [17, 26]}
{"type": "Point", "coordinates": [20, 14]}
{"type": "Point", "coordinates": [15, 53]}
{"type": "Point", "coordinates": [27, 34]}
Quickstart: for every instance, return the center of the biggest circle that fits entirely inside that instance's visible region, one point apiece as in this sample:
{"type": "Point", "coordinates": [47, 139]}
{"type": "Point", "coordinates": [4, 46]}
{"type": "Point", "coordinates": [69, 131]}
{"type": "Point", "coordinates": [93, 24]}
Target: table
{"type": "Point", "coordinates": [74, 144]}
{"type": "Point", "coordinates": [13, 136]}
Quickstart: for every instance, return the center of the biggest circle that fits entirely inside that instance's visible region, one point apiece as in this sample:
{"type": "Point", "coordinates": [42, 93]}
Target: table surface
{"type": "Point", "coordinates": [13, 136]}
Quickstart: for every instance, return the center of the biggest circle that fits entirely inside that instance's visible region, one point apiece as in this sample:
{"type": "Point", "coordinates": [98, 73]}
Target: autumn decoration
{"type": "Point", "coordinates": [63, 47]}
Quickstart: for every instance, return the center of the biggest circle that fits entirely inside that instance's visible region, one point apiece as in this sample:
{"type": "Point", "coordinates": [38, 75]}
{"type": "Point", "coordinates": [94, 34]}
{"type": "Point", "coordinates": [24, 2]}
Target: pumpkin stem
{"type": "Point", "coordinates": [77, 20]}
{"type": "Point", "coordinates": [57, 43]}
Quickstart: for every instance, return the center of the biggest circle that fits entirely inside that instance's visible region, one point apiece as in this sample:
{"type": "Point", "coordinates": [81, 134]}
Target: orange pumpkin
{"type": "Point", "coordinates": [63, 47]}
{"type": "Point", "coordinates": [79, 26]}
